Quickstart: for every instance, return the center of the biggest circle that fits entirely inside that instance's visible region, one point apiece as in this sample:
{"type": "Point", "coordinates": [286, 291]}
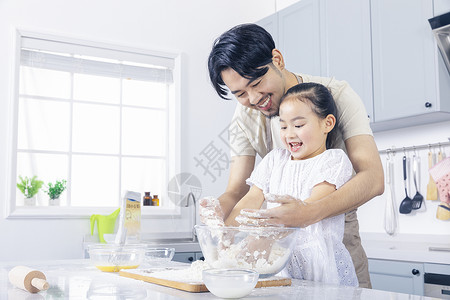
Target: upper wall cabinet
{"type": "Point", "coordinates": [302, 55]}
{"type": "Point", "coordinates": [346, 45]}
{"type": "Point", "coordinates": [270, 24]}
{"type": "Point", "coordinates": [404, 76]}
{"type": "Point", "coordinates": [408, 87]}
{"type": "Point", "coordinates": [385, 49]}
{"type": "Point", "coordinates": [296, 32]}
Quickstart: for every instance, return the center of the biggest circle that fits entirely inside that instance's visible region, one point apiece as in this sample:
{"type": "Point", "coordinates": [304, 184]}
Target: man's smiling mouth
{"type": "Point", "coordinates": [266, 104]}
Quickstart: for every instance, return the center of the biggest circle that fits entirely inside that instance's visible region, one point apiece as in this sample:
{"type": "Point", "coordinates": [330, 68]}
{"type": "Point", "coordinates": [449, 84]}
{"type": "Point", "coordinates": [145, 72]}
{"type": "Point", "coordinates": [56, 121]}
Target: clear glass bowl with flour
{"type": "Point", "coordinates": [265, 250]}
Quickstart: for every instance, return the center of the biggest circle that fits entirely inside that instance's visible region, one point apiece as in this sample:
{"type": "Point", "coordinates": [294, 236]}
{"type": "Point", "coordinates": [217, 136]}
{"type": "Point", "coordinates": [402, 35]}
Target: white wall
{"type": "Point", "coordinates": [186, 26]}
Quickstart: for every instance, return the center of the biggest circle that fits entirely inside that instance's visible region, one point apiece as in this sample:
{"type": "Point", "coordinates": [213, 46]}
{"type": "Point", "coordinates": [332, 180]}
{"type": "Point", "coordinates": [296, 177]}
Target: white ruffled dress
{"type": "Point", "coordinates": [319, 254]}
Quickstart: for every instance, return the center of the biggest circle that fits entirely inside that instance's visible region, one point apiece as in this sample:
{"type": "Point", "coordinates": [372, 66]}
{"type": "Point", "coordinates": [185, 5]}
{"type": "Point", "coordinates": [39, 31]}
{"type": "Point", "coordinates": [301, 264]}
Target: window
{"type": "Point", "coordinates": [101, 117]}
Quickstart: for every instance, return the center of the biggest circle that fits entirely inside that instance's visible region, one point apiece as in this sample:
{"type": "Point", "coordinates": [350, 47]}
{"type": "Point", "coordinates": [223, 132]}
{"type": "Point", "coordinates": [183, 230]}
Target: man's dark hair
{"type": "Point", "coordinates": [245, 48]}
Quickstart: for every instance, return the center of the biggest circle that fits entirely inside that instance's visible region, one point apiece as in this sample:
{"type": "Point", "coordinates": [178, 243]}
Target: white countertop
{"type": "Point", "coordinates": [78, 279]}
{"type": "Point", "coordinates": [414, 248]}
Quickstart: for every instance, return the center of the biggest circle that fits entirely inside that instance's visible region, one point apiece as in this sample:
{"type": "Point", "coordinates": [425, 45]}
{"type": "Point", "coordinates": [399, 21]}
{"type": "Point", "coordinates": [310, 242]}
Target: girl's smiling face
{"type": "Point", "coordinates": [303, 132]}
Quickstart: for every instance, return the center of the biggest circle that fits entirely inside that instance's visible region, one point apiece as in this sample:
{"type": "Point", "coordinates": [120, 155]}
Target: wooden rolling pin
{"type": "Point", "coordinates": [28, 279]}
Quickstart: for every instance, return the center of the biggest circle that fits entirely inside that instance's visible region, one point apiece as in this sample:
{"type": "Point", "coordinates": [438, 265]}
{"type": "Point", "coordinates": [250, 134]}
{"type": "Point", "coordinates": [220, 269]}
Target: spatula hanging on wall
{"type": "Point", "coordinates": [431, 186]}
{"type": "Point", "coordinates": [418, 198]}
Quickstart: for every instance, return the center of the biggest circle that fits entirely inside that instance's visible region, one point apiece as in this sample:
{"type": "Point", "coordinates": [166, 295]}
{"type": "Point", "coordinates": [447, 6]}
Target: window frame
{"type": "Point", "coordinates": [173, 142]}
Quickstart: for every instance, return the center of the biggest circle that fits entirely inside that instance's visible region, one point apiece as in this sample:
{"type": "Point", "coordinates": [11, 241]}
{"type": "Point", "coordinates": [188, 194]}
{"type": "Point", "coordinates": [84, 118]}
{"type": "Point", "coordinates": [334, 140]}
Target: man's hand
{"type": "Point", "coordinates": [290, 213]}
{"type": "Point", "coordinates": [210, 212]}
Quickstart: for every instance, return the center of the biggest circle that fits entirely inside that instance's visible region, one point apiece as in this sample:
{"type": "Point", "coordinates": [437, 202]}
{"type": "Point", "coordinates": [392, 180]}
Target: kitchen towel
{"type": "Point", "coordinates": [441, 175]}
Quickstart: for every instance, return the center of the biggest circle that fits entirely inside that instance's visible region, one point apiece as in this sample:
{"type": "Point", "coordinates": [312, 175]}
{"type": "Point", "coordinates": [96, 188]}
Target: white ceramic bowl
{"type": "Point", "coordinates": [265, 250]}
{"type": "Point", "coordinates": [230, 283]}
{"type": "Point", "coordinates": [158, 256]}
{"type": "Point", "coordinates": [113, 258]}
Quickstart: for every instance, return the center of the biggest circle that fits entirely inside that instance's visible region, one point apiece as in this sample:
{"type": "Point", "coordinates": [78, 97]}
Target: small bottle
{"type": "Point", "coordinates": [155, 200]}
{"type": "Point", "coordinates": [147, 199]}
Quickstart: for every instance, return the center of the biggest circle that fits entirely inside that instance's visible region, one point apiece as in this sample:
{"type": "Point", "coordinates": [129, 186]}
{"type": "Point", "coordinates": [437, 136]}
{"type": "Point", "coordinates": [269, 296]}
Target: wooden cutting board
{"type": "Point", "coordinates": [194, 287]}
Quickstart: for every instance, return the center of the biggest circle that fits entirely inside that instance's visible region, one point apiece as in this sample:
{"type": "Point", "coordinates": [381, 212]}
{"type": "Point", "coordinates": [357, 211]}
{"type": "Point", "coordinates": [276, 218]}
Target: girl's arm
{"type": "Point", "coordinates": [252, 200]}
{"type": "Point", "coordinates": [320, 190]}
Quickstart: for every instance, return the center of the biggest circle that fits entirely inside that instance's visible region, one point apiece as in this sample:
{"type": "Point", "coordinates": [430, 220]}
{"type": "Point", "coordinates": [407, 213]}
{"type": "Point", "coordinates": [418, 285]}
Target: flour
{"type": "Point", "coordinates": [191, 274]}
{"type": "Point", "coordinates": [232, 257]}
{"type": "Point", "coordinates": [262, 262]}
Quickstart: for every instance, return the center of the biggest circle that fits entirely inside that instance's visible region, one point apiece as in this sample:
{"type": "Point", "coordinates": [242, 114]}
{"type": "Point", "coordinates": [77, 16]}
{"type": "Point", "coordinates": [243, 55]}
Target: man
{"type": "Point", "coordinates": [245, 62]}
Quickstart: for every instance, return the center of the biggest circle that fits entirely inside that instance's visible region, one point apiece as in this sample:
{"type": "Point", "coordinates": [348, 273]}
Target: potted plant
{"type": "Point", "coordinates": [29, 188]}
{"type": "Point", "coordinates": [55, 190]}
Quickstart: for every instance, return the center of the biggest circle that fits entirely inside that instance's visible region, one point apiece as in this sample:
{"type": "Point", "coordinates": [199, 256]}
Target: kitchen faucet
{"type": "Point", "coordinates": [191, 196]}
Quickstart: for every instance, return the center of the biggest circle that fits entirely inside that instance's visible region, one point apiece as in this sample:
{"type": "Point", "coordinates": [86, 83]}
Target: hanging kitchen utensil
{"type": "Point", "coordinates": [416, 202]}
{"type": "Point", "coordinates": [390, 213]}
{"type": "Point", "coordinates": [406, 204]}
{"type": "Point", "coordinates": [431, 186]}
{"type": "Point", "coordinates": [408, 171]}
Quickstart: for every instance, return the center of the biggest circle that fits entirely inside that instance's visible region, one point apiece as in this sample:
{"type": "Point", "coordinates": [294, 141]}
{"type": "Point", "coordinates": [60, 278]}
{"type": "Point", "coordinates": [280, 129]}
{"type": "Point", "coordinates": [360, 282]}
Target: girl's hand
{"type": "Point", "coordinates": [291, 213]}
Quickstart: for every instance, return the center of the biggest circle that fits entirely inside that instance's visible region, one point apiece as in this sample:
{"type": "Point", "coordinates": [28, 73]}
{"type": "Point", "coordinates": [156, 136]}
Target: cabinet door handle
{"type": "Point", "coordinates": [190, 258]}
{"type": "Point", "coordinates": [428, 104]}
{"type": "Point", "coordinates": [415, 272]}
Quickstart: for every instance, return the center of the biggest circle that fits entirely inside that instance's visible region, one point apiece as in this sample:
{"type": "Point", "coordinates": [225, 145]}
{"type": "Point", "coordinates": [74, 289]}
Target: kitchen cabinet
{"type": "Point", "coordinates": [187, 257]}
{"type": "Point", "coordinates": [199, 256]}
{"type": "Point", "coordinates": [296, 33]}
{"type": "Point", "coordinates": [384, 49]}
{"type": "Point", "coordinates": [397, 276]}
{"type": "Point", "coordinates": [270, 24]}
{"type": "Point", "coordinates": [346, 52]}
{"type": "Point", "coordinates": [299, 32]}
{"type": "Point", "coordinates": [404, 71]}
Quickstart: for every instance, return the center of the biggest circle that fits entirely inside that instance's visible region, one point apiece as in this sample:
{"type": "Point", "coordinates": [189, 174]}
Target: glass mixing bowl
{"type": "Point", "coordinates": [155, 257]}
{"type": "Point", "coordinates": [113, 258]}
{"type": "Point", "coordinates": [265, 250]}
{"type": "Point", "coordinates": [230, 283]}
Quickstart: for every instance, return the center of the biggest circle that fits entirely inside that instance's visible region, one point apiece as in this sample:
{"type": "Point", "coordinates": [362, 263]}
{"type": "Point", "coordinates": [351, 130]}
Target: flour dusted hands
{"type": "Point", "coordinates": [290, 213]}
{"type": "Point", "coordinates": [211, 213]}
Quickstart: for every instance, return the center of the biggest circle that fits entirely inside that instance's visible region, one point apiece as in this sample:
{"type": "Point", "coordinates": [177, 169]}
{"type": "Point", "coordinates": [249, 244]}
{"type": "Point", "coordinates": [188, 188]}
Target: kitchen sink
{"type": "Point", "coordinates": [182, 242]}
{"type": "Point", "coordinates": [171, 241]}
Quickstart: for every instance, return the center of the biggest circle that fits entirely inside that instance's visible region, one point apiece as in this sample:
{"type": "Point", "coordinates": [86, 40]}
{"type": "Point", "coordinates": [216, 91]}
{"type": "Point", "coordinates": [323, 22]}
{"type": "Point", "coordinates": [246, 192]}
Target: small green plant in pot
{"type": "Point", "coordinates": [55, 190]}
{"type": "Point", "coordinates": [29, 188]}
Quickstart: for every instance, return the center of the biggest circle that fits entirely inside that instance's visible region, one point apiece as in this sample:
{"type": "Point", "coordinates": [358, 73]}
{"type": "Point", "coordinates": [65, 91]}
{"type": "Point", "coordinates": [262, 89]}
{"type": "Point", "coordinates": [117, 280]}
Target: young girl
{"type": "Point", "coordinates": [306, 170]}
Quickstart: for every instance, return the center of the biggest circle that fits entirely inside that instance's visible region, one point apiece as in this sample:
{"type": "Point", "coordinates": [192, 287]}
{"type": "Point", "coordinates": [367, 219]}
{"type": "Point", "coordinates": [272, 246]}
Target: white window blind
{"type": "Point", "coordinates": [76, 64]}
{"type": "Point", "coordinates": [101, 117]}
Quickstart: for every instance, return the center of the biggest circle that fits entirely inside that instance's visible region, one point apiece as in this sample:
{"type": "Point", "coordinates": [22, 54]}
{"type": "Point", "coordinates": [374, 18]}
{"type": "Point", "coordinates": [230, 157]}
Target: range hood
{"type": "Point", "coordinates": [441, 29]}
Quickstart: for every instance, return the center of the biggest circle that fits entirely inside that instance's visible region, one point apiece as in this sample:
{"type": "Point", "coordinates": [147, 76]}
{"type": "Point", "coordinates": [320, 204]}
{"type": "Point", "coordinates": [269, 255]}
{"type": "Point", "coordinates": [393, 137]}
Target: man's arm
{"type": "Point", "coordinates": [366, 184]}
{"type": "Point", "coordinates": [240, 169]}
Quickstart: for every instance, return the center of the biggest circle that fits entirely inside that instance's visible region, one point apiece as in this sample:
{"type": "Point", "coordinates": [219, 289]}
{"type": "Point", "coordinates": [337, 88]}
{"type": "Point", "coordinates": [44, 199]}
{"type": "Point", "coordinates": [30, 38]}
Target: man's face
{"type": "Point", "coordinates": [263, 94]}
